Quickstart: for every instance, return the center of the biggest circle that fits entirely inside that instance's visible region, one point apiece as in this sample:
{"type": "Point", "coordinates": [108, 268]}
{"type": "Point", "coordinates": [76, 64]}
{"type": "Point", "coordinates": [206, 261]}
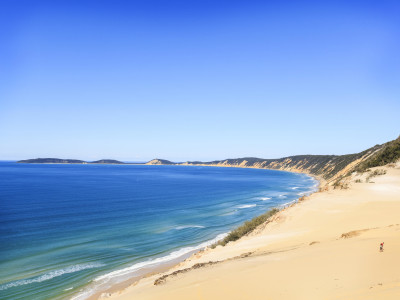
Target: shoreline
{"type": "Point", "coordinates": [149, 271]}
{"type": "Point", "coordinates": [309, 187]}
{"type": "Point", "coordinates": [167, 266]}
{"type": "Point", "coordinates": [285, 238]}
{"type": "Point", "coordinates": [151, 267]}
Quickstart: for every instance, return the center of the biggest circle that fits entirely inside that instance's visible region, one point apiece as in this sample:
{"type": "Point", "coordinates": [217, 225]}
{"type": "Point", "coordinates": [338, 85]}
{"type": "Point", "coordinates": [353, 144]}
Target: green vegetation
{"type": "Point", "coordinates": [340, 184]}
{"type": "Point", "coordinates": [246, 228]}
{"type": "Point", "coordinates": [337, 183]}
{"type": "Point", "coordinates": [389, 153]}
{"type": "Point", "coordinates": [107, 161]}
{"type": "Point", "coordinates": [375, 173]}
{"type": "Point", "coordinates": [324, 165]}
{"type": "Point", "coordinates": [378, 172]}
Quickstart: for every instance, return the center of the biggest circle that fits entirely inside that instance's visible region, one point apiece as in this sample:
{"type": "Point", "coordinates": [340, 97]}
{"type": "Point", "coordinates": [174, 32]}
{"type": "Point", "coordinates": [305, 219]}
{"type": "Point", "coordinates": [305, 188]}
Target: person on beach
{"type": "Point", "coordinates": [381, 247]}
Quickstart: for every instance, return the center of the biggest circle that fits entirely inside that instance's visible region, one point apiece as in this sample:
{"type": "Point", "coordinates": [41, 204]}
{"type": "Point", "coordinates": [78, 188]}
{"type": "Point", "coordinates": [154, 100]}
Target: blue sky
{"type": "Point", "coordinates": [197, 80]}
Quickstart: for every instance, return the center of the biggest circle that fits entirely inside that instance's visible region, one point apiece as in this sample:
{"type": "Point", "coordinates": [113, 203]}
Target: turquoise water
{"type": "Point", "coordinates": [67, 231]}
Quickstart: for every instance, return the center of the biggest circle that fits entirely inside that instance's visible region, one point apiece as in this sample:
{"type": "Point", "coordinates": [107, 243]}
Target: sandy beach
{"type": "Point", "coordinates": [325, 247]}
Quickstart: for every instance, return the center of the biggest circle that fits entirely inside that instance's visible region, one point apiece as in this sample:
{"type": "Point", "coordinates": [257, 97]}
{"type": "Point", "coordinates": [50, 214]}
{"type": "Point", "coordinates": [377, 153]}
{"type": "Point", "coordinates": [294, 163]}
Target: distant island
{"type": "Point", "coordinates": [327, 167]}
{"type": "Point", "coordinates": [70, 161]}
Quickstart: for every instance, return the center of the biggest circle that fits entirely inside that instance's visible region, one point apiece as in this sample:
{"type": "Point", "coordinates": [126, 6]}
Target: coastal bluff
{"type": "Point", "coordinates": [330, 168]}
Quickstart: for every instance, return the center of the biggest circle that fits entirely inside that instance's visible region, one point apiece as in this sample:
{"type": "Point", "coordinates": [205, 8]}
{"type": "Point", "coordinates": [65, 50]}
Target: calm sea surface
{"type": "Point", "coordinates": [68, 230]}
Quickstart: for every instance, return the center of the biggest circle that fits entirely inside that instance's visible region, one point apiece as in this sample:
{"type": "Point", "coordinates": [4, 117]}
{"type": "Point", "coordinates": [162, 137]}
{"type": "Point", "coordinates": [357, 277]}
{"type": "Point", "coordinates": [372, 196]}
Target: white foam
{"type": "Point", "coordinates": [294, 188]}
{"type": "Point", "coordinates": [288, 203]}
{"type": "Point", "coordinates": [229, 213]}
{"type": "Point", "coordinates": [51, 274]}
{"type": "Point", "coordinates": [173, 255]}
{"type": "Point", "coordinates": [247, 206]}
{"type": "Point", "coordinates": [70, 288]}
{"type": "Point", "coordinates": [282, 196]}
{"type": "Point", "coordinates": [265, 198]}
{"type": "Point", "coordinates": [188, 226]}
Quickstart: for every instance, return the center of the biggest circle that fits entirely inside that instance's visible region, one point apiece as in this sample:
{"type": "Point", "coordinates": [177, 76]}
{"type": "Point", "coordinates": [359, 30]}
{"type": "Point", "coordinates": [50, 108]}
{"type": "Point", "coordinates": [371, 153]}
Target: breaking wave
{"type": "Point", "coordinates": [247, 206]}
{"type": "Point", "coordinates": [51, 275]}
{"type": "Point", "coordinates": [188, 226]}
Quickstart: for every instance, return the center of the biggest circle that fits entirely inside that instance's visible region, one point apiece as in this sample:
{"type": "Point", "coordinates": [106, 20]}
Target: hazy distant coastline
{"type": "Point", "coordinates": [326, 167]}
{"type": "Point", "coordinates": [72, 161]}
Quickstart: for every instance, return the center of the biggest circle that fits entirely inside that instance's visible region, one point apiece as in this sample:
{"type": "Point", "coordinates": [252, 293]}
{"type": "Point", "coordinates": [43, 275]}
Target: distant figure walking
{"type": "Point", "coordinates": [381, 247]}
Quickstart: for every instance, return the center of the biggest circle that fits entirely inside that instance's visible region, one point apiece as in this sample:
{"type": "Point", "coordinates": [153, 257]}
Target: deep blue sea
{"type": "Point", "coordinates": [69, 230]}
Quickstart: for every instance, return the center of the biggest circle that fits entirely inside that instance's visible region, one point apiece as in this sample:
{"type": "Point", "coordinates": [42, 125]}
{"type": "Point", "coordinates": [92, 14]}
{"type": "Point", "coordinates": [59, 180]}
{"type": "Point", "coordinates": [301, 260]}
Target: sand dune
{"type": "Point", "coordinates": [326, 247]}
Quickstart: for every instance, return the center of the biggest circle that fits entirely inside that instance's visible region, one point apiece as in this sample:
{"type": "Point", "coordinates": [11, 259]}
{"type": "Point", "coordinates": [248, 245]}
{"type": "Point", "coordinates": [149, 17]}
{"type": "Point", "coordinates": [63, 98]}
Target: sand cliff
{"type": "Point", "coordinates": [329, 168]}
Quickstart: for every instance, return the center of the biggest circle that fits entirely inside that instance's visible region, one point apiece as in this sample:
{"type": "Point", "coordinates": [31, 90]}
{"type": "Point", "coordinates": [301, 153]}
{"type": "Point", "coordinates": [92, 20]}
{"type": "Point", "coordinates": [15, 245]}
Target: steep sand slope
{"type": "Point", "coordinates": [326, 247]}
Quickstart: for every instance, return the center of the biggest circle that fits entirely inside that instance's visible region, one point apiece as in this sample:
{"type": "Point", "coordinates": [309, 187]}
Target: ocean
{"type": "Point", "coordinates": [67, 231]}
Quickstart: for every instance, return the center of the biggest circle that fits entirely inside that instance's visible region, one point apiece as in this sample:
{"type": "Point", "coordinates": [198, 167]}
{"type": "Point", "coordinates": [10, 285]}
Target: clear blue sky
{"type": "Point", "coordinates": [197, 80]}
